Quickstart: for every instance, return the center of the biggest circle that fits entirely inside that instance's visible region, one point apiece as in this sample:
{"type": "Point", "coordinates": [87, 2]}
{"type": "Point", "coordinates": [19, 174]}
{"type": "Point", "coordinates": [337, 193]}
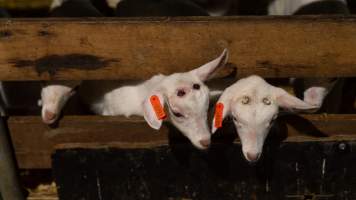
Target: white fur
{"type": "Point", "coordinates": [113, 3]}
{"type": "Point", "coordinates": [193, 106]}
{"type": "Point", "coordinates": [315, 95]}
{"type": "Point", "coordinates": [56, 4]}
{"type": "Point", "coordinates": [53, 100]}
{"type": "Point", "coordinates": [253, 117]}
{"type": "Point", "coordinates": [221, 9]}
{"type": "Point", "coordinates": [126, 100]}
{"type": "Point", "coordinates": [317, 90]}
{"type": "Point", "coordinates": [54, 97]}
{"type": "Point", "coordinates": [289, 7]}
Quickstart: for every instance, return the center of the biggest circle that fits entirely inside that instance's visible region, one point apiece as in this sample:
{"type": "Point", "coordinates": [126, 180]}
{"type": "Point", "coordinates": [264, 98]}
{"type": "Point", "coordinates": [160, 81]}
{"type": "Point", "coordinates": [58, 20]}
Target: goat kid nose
{"type": "Point", "coordinates": [48, 116]}
{"type": "Point", "coordinates": [205, 143]}
{"type": "Point", "coordinates": [252, 157]}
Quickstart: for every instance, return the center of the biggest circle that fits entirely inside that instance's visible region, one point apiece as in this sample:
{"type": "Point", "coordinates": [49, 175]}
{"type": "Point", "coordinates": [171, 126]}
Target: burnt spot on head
{"type": "Point", "coordinates": [54, 63]}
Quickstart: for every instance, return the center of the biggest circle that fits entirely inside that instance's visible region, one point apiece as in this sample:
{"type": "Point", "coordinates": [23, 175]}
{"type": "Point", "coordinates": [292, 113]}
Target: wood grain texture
{"type": "Point", "coordinates": [34, 141]}
{"type": "Point", "coordinates": [63, 49]}
{"type": "Point", "coordinates": [25, 4]}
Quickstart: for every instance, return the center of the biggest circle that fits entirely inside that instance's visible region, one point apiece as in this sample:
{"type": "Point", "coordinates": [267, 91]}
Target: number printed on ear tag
{"type": "Point", "coordinates": [219, 108]}
{"type": "Point", "coordinates": [157, 107]}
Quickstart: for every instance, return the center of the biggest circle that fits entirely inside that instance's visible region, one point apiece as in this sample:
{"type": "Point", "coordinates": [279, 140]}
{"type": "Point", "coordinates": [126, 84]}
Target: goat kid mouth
{"type": "Point", "coordinates": [252, 162]}
{"type": "Point", "coordinates": [174, 113]}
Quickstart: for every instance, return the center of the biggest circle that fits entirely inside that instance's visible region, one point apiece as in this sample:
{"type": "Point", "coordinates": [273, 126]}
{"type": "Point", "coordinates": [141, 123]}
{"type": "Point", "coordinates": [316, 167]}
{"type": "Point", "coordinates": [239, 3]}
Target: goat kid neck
{"type": "Point", "coordinates": [128, 100]}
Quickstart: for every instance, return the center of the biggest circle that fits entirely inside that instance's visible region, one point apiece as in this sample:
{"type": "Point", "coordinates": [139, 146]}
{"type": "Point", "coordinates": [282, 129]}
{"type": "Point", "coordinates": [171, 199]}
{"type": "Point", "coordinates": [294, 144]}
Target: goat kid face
{"type": "Point", "coordinates": [53, 99]}
{"type": "Point", "coordinates": [187, 105]}
{"type": "Point", "coordinates": [186, 98]}
{"type": "Point", "coordinates": [253, 105]}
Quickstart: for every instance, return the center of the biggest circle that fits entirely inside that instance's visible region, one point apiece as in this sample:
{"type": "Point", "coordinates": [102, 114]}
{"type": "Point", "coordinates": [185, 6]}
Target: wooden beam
{"type": "Point", "coordinates": [25, 4]}
{"type": "Point", "coordinates": [34, 141]}
{"type": "Point", "coordinates": [63, 49]}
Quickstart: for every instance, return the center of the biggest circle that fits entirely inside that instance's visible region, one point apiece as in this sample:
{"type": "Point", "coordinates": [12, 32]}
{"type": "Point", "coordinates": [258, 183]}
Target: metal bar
{"type": "Point", "coordinates": [10, 188]}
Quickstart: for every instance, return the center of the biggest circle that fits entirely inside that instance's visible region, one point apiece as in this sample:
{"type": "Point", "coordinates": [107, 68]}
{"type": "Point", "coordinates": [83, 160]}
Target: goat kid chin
{"type": "Point", "coordinates": [181, 98]}
{"type": "Point", "coordinates": [254, 105]}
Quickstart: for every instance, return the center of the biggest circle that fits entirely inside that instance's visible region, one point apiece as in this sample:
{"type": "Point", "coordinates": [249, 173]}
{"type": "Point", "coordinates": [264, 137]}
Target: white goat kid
{"type": "Point", "coordinates": [184, 95]}
{"type": "Point", "coordinates": [54, 97]}
{"type": "Point", "coordinates": [254, 104]}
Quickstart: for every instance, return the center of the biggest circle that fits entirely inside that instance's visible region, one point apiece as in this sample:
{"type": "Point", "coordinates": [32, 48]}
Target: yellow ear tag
{"type": "Point", "coordinates": [157, 107]}
{"type": "Point", "coordinates": [219, 108]}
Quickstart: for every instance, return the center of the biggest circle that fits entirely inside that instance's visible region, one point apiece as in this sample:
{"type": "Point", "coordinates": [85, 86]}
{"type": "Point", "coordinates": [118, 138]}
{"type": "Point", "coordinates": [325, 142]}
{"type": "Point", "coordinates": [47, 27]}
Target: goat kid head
{"type": "Point", "coordinates": [186, 98]}
{"type": "Point", "coordinates": [253, 105]}
{"type": "Point", "coordinates": [317, 90]}
{"type": "Point", "coordinates": [53, 98]}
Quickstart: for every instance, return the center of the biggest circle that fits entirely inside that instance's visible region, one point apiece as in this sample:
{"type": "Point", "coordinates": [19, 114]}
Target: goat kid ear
{"type": "Point", "coordinates": [222, 109]}
{"type": "Point", "coordinates": [153, 110]}
{"type": "Point", "coordinates": [288, 101]}
{"type": "Point", "coordinates": [205, 71]}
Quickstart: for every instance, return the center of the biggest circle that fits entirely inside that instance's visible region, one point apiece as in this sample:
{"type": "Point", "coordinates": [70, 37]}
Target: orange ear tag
{"type": "Point", "coordinates": [157, 107]}
{"type": "Point", "coordinates": [219, 108]}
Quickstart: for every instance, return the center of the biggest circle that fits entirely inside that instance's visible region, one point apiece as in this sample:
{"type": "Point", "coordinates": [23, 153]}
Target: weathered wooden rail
{"type": "Point", "coordinates": [34, 142]}
{"type": "Point", "coordinates": [24, 4]}
{"type": "Point", "coordinates": [135, 49]}
{"type": "Point", "coordinates": [138, 48]}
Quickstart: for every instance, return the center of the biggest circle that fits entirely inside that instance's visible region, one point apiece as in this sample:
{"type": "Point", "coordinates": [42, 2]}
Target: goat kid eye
{"type": "Point", "coordinates": [196, 86]}
{"type": "Point", "coordinates": [266, 101]}
{"type": "Point", "coordinates": [245, 100]}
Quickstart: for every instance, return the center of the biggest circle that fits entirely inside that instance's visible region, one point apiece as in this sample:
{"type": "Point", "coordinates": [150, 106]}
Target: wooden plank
{"type": "Point", "coordinates": [34, 141]}
{"type": "Point", "coordinates": [25, 4]}
{"type": "Point", "coordinates": [59, 49]}
{"type": "Point", "coordinates": [314, 170]}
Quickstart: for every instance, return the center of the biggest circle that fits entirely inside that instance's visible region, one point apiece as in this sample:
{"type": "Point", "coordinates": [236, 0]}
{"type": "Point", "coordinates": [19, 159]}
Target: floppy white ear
{"type": "Point", "coordinates": [153, 110]}
{"type": "Point", "coordinates": [222, 109]}
{"type": "Point", "coordinates": [286, 100]}
{"type": "Point", "coordinates": [206, 70]}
